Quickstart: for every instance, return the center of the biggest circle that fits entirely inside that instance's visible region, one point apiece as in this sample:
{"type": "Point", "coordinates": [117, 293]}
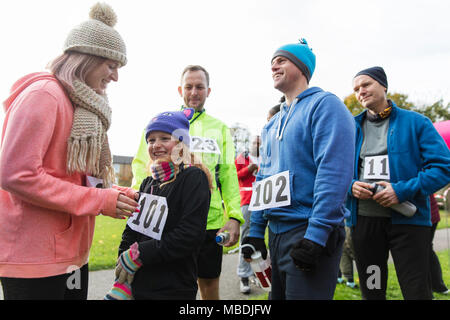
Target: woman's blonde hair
{"type": "Point", "coordinates": [181, 155]}
{"type": "Point", "coordinates": [71, 66]}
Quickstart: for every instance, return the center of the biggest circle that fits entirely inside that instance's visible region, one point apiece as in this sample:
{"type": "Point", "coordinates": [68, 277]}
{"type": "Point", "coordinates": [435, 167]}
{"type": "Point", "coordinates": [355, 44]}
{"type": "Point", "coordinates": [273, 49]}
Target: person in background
{"type": "Point", "coordinates": [437, 283]}
{"type": "Point", "coordinates": [346, 265]}
{"type": "Point", "coordinates": [401, 151]}
{"type": "Point", "coordinates": [54, 153]}
{"type": "Point", "coordinates": [158, 260]}
{"type": "Point", "coordinates": [275, 109]}
{"type": "Point", "coordinates": [213, 144]}
{"type": "Point", "coordinates": [247, 165]}
{"type": "Point", "coordinates": [305, 171]}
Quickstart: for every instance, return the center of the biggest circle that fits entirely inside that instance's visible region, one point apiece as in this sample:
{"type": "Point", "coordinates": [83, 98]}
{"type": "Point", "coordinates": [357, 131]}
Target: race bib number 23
{"type": "Point", "coordinates": [204, 145]}
{"type": "Point", "coordinates": [272, 192]}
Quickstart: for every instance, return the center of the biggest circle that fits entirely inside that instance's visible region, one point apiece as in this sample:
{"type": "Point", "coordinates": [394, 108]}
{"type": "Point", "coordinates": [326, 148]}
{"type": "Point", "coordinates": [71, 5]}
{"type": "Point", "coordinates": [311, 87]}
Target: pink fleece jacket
{"type": "Point", "coordinates": [47, 217]}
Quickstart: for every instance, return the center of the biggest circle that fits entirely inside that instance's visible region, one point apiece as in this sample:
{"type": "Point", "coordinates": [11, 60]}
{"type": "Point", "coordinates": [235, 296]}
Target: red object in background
{"type": "Point", "coordinates": [443, 127]}
{"type": "Point", "coordinates": [440, 200]}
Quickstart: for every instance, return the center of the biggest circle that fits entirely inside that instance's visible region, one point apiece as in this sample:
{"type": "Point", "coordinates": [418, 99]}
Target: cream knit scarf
{"type": "Point", "coordinates": [88, 148]}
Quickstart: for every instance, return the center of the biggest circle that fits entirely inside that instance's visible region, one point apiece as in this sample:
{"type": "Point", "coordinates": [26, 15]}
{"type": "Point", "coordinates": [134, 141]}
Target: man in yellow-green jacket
{"type": "Point", "coordinates": [212, 143]}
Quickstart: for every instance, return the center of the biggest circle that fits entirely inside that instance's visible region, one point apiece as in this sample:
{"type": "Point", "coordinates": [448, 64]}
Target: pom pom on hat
{"type": "Point", "coordinates": [301, 55]}
{"type": "Point", "coordinates": [175, 123]}
{"type": "Point", "coordinates": [189, 113]}
{"type": "Point", "coordinates": [103, 13]}
{"type": "Point", "coordinates": [97, 35]}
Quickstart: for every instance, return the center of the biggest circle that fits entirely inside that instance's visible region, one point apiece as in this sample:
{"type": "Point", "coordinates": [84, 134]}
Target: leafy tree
{"type": "Point", "coordinates": [436, 112]}
{"type": "Point", "coordinates": [401, 100]}
{"type": "Point", "coordinates": [353, 105]}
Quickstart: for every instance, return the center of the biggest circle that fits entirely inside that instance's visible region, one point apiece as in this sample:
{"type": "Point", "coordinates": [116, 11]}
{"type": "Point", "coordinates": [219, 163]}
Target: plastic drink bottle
{"type": "Point", "coordinates": [263, 270]}
{"type": "Point", "coordinates": [222, 238]}
{"type": "Point", "coordinates": [405, 208]}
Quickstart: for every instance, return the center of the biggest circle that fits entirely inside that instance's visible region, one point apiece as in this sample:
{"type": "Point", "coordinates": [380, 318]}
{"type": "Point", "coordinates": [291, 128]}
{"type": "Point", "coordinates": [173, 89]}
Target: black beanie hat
{"type": "Point", "coordinates": [376, 73]}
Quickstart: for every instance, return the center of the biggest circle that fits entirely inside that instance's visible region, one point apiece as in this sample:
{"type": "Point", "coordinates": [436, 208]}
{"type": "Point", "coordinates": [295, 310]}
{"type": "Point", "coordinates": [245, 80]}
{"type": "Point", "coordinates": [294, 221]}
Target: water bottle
{"type": "Point", "coordinates": [261, 268]}
{"type": "Point", "coordinates": [222, 238]}
{"type": "Point", "coordinates": [405, 208]}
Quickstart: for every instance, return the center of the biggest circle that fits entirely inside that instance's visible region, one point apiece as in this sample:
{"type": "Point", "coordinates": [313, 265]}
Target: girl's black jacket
{"type": "Point", "coordinates": [169, 269]}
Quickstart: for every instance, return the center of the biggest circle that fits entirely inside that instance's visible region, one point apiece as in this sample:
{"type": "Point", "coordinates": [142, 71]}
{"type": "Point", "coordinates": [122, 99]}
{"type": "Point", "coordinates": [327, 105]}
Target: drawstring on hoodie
{"type": "Point", "coordinates": [280, 130]}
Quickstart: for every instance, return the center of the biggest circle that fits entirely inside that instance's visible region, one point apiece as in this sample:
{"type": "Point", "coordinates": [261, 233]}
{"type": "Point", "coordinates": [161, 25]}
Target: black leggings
{"type": "Point", "coordinates": [69, 286]}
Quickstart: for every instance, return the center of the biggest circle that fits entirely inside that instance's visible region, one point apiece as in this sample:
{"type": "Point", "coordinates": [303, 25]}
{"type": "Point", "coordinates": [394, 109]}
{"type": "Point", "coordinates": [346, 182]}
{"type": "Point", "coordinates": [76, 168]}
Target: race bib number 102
{"type": "Point", "coordinates": [272, 192]}
{"type": "Point", "coordinates": [152, 217]}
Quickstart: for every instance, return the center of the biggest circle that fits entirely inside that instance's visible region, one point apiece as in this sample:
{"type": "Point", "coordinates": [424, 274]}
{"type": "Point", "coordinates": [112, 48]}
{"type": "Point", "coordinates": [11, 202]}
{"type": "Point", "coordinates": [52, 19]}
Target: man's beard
{"type": "Point", "coordinates": [198, 108]}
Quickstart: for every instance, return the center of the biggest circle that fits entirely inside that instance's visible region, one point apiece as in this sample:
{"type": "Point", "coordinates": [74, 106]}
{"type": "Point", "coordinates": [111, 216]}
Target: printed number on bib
{"type": "Point", "coordinates": [204, 145]}
{"type": "Point", "coordinates": [93, 182]}
{"type": "Point", "coordinates": [376, 167]}
{"type": "Point", "coordinates": [152, 217]}
{"type": "Point", "coordinates": [272, 192]}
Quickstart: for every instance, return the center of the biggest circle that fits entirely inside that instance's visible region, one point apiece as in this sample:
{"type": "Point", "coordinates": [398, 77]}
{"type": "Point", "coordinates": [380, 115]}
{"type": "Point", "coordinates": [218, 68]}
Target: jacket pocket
{"type": "Point", "coordinates": [66, 244]}
{"type": "Point", "coordinates": [216, 200]}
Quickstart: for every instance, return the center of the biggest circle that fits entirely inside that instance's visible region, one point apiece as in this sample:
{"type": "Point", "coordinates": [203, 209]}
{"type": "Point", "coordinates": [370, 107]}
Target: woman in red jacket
{"type": "Point", "coordinates": [54, 153]}
{"type": "Point", "coordinates": [247, 166]}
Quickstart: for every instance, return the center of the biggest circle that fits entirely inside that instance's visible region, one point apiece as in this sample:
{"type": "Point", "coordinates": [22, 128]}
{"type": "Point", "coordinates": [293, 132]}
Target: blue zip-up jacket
{"type": "Point", "coordinates": [317, 147]}
{"type": "Point", "coordinates": [419, 163]}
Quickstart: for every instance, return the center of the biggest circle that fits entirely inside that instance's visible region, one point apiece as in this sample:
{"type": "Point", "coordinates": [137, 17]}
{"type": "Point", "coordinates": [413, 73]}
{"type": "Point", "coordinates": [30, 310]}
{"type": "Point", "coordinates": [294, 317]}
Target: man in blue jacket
{"type": "Point", "coordinates": [401, 151]}
{"type": "Point", "coordinates": [307, 154]}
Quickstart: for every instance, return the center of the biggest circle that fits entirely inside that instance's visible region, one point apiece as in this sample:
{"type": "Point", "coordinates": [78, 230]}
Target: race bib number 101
{"type": "Point", "coordinates": [272, 192]}
{"type": "Point", "coordinates": [152, 217]}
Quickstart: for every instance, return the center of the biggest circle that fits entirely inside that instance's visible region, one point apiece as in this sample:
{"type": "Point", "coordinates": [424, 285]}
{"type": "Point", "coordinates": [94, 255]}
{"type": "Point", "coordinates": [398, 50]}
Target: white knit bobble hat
{"type": "Point", "coordinates": [97, 35]}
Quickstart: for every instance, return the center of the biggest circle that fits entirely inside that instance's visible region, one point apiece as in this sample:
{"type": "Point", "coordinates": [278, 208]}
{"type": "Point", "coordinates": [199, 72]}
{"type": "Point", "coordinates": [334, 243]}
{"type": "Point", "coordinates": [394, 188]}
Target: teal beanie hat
{"type": "Point", "coordinates": [301, 55]}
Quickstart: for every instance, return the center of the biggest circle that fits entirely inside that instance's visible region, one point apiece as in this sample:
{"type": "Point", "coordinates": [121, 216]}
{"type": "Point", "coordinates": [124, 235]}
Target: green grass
{"type": "Point", "coordinates": [445, 220]}
{"type": "Point", "coordinates": [107, 237]}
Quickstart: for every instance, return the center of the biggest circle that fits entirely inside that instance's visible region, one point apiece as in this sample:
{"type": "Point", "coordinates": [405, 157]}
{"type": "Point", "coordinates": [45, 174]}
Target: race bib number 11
{"type": "Point", "coordinates": [376, 167]}
{"type": "Point", "coordinates": [152, 217]}
{"type": "Point", "coordinates": [272, 192]}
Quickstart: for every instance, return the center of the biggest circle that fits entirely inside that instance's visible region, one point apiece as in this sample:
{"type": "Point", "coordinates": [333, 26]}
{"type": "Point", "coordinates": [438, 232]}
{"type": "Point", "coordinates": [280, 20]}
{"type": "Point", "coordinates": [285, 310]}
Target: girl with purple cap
{"type": "Point", "coordinates": [160, 244]}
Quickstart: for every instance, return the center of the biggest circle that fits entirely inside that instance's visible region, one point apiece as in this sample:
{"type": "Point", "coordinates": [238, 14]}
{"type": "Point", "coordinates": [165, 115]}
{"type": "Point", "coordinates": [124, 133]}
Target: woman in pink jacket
{"type": "Point", "coordinates": [54, 153]}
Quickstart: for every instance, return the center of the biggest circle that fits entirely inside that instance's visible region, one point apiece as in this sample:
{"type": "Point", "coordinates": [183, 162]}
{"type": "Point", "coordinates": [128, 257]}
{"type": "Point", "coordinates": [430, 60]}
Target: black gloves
{"type": "Point", "coordinates": [259, 245]}
{"type": "Point", "coordinates": [305, 254]}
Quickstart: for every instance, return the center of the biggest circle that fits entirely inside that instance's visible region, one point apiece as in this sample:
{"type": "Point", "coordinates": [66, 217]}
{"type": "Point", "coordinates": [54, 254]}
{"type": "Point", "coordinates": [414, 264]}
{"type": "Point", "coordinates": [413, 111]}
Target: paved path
{"type": "Point", "coordinates": [100, 281]}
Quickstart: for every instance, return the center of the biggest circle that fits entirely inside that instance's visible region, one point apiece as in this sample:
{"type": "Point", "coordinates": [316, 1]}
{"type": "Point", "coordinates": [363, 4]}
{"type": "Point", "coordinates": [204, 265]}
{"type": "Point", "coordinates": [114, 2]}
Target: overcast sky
{"type": "Point", "coordinates": [234, 40]}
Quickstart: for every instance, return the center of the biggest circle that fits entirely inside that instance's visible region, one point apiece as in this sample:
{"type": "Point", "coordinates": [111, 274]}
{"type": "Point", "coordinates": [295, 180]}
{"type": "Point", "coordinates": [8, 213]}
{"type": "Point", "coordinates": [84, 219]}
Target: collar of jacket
{"type": "Point", "coordinates": [360, 117]}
